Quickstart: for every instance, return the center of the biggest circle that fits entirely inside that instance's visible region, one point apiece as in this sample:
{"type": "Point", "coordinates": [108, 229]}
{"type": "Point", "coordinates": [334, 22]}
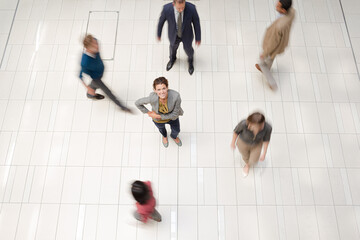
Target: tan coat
{"type": "Point", "coordinates": [277, 35]}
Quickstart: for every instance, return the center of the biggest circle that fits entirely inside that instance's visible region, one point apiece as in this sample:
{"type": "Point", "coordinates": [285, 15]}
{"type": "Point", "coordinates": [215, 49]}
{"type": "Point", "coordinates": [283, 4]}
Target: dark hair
{"type": "Point", "coordinates": [178, 1]}
{"type": "Point", "coordinates": [255, 118]}
{"type": "Point", "coordinates": [285, 4]}
{"type": "Point", "coordinates": [160, 80]}
{"type": "Point", "coordinates": [140, 192]}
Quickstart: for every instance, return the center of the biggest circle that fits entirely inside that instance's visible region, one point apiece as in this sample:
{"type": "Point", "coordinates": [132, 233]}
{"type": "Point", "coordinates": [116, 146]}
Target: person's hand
{"type": "Point", "coordinates": [232, 145]}
{"type": "Point", "coordinates": [153, 114]}
{"type": "Point", "coordinates": [150, 113]}
{"type": "Point", "coordinates": [159, 39]}
{"type": "Point", "coordinates": [262, 57]}
{"type": "Point", "coordinates": [197, 43]}
{"type": "Point", "coordinates": [262, 158]}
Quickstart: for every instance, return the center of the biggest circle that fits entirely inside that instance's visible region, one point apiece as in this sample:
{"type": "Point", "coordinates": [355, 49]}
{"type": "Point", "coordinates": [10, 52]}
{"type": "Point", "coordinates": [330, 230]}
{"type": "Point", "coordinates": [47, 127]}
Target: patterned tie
{"type": "Point", "coordinates": [179, 25]}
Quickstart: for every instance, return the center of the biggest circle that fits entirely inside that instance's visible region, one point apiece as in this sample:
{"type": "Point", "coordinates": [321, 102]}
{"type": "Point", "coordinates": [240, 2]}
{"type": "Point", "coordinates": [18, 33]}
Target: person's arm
{"type": "Point", "coordinates": [162, 20]}
{"type": "Point", "coordinates": [197, 28]}
{"type": "Point", "coordinates": [175, 112]}
{"type": "Point", "coordinates": [266, 140]}
{"type": "Point", "coordinates": [232, 145]}
{"type": "Point", "coordinates": [141, 102]}
{"type": "Point", "coordinates": [265, 147]}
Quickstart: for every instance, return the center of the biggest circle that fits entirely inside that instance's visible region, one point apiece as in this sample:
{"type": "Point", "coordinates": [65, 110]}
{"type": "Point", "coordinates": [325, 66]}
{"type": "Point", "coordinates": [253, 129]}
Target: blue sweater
{"type": "Point", "coordinates": [94, 67]}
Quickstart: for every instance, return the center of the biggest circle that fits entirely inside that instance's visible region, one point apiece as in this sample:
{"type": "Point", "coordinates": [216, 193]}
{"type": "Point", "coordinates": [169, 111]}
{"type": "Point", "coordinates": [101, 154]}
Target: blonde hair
{"type": "Point", "coordinates": [88, 40]}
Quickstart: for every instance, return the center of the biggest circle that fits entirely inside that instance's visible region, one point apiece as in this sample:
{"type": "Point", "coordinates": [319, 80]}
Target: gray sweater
{"type": "Point", "coordinates": [173, 103]}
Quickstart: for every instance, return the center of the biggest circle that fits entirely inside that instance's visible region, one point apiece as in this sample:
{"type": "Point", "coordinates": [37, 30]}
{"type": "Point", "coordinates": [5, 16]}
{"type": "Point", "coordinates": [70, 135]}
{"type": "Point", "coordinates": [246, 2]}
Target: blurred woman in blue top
{"type": "Point", "coordinates": [92, 65]}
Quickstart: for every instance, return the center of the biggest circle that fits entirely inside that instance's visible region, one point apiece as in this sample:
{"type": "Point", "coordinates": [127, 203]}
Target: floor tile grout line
{"type": "Point", "coordinates": [307, 152]}
{"type": "Point", "coordinates": [28, 167]}
{"type": "Point", "coordinates": [64, 140]}
{"type": "Point", "coordinates": [17, 131]}
{"type": "Point", "coordinates": [220, 236]}
{"type": "Point", "coordinates": [9, 33]}
{"type": "Point", "coordinates": [205, 167]}
{"type": "Point", "coordinates": [215, 167]}
{"type": "Point", "coordinates": [126, 118]}
{"type": "Point", "coordinates": [351, 45]}
{"type": "Point", "coordinates": [184, 205]}
{"type": "Point", "coordinates": [322, 140]}
{"type": "Point", "coordinates": [292, 182]}
{"type": "Point", "coordinates": [67, 150]}
{"type": "Point", "coordinates": [123, 142]}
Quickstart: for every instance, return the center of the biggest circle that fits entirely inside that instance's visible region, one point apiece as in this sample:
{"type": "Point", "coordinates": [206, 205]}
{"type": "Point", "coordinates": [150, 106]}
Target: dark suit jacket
{"type": "Point", "coordinates": [190, 16]}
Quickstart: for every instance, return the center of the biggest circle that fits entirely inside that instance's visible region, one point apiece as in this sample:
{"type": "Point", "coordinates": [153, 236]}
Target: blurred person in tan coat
{"type": "Point", "coordinates": [276, 39]}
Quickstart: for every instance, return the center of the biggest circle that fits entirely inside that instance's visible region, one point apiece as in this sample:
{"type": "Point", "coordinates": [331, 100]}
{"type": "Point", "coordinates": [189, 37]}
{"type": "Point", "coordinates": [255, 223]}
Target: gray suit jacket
{"type": "Point", "coordinates": [173, 103]}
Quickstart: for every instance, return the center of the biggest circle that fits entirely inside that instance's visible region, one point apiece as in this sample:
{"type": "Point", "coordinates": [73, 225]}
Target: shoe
{"type": "Point", "coordinates": [95, 97]}
{"type": "Point", "coordinates": [128, 110]}
{"type": "Point", "coordinates": [179, 143]}
{"type": "Point", "coordinates": [273, 87]}
{"type": "Point", "coordinates": [165, 144]}
{"type": "Point", "coordinates": [191, 68]}
{"type": "Point", "coordinates": [170, 64]}
{"type": "Point", "coordinates": [258, 67]}
{"type": "Point", "coordinates": [245, 174]}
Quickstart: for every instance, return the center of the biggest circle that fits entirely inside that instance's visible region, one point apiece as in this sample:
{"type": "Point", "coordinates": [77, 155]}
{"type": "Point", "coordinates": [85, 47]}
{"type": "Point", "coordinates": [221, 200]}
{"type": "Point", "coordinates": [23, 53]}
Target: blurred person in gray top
{"type": "Point", "coordinates": [166, 109]}
{"type": "Point", "coordinates": [251, 135]}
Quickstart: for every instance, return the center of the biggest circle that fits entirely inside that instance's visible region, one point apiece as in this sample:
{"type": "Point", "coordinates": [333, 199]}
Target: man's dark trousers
{"type": "Point", "coordinates": [189, 50]}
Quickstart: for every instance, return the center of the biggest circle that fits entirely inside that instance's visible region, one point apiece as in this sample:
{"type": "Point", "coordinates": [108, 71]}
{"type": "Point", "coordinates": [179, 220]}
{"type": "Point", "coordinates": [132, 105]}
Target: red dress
{"type": "Point", "coordinates": [145, 210]}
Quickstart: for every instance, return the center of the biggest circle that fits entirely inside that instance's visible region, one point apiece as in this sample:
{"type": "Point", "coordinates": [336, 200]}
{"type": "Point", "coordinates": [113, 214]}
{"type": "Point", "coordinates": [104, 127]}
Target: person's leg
{"type": "Point", "coordinates": [190, 53]}
{"type": "Point", "coordinates": [175, 128]}
{"type": "Point", "coordinates": [266, 71]}
{"type": "Point", "coordinates": [269, 62]}
{"type": "Point", "coordinates": [155, 215]}
{"type": "Point", "coordinates": [173, 49]}
{"type": "Point", "coordinates": [255, 152]}
{"type": "Point", "coordinates": [93, 86]}
{"type": "Point", "coordinates": [244, 149]}
{"type": "Point", "coordinates": [162, 129]}
{"type": "Point", "coordinates": [189, 50]}
{"type": "Point", "coordinates": [108, 92]}
{"type": "Point", "coordinates": [138, 216]}
{"type": "Point", "coordinates": [91, 91]}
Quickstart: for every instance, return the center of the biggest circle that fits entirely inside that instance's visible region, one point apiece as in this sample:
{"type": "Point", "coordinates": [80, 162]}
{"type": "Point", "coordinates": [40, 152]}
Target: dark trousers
{"type": "Point", "coordinates": [174, 125]}
{"type": "Point", "coordinates": [188, 50]}
{"type": "Point", "coordinates": [97, 83]}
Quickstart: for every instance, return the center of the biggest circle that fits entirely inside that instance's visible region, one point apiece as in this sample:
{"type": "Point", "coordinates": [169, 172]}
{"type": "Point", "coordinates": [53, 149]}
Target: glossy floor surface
{"type": "Point", "coordinates": [66, 162]}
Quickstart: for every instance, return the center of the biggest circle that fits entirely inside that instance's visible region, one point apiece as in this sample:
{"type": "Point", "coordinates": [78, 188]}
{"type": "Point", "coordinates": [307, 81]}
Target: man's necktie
{"type": "Point", "coordinates": [179, 25]}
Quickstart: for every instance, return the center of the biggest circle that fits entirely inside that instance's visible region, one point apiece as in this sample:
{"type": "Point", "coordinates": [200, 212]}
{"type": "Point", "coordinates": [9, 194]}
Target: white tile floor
{"type": "Point", "coordinates": [66, 162]}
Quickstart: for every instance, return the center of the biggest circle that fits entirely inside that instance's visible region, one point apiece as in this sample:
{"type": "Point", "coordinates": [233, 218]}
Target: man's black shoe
{"type": "Point", "coordinates": [170, 65]}
{"type": "Point", "coordinates": [95, 97]}
{"type": "Point", "coordinates": [191, 68]}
